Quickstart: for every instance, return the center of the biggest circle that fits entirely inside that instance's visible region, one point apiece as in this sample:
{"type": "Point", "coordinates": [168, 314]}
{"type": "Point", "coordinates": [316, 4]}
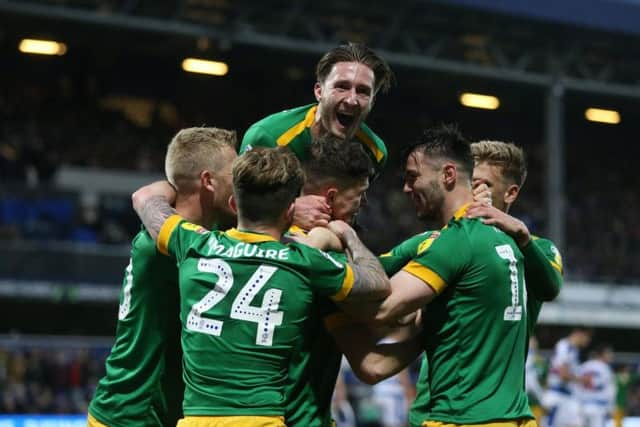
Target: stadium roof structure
{"type": "Point", "coordinates": [451, 37]}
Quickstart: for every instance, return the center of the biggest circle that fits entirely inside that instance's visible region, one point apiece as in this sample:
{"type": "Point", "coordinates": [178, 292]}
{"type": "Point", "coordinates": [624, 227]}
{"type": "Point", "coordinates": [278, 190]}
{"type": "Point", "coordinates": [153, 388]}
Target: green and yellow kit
{"type": "Point", "coordinates": [246, 302]}
{"type": "Point", "coordinates": [142, 385]}
{"type": "Point", "coordinates": [475, 329]}
{"type": "Point", "coordinates": [292, 128]}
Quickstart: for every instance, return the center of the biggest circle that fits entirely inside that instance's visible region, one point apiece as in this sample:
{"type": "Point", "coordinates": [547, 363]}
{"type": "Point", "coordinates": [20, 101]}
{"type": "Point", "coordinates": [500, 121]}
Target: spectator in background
{"type": "Point", "coordinates": [625, 379]}
{"type": "Point", "coordinates": [560, 399]}
{"type": "Point", "coordinates": [597, 387]}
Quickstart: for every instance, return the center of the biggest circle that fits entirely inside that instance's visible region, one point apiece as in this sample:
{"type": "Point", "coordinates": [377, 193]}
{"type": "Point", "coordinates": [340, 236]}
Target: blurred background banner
{"type": "Point", "coordinates": [43, 421]}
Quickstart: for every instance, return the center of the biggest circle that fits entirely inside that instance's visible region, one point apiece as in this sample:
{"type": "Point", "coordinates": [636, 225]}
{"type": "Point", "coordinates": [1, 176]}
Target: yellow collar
{"type": "Point", "coordinates": [461, 211]}
{"type": "Point", "coordinates": [294, 229]}
{"type": "Point", "coordinates": [249, 236]}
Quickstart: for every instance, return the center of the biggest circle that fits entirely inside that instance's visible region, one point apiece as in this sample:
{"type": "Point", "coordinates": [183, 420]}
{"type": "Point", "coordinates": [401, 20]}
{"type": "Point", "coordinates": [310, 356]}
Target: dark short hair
{"type": "Point", "coordinates": [357, 52]}
{"type": "Point", "coordinates": [265, 182]}
{"type": "Point", "coordinates": [331, 159]}
{"type": "Point", "coordinates": [445, 141]}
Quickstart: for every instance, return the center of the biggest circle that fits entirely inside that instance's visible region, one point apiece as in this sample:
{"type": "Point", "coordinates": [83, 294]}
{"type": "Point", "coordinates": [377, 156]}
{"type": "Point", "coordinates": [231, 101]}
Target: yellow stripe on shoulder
{"type": "Point", "coordinates": [362, 136]}
{"type": "Point", "coordinates": [557, 266]}
{"type": "Point", "coordinates": [336, 320]}
{"type": "Point", "coordinates": [298, 128]}
{"type": "Point", "coordinates": [427, 275]}
{"type": "Point", "coordinates": [165, 233]}
{"type": "Point", "coordinates": [347, 284]}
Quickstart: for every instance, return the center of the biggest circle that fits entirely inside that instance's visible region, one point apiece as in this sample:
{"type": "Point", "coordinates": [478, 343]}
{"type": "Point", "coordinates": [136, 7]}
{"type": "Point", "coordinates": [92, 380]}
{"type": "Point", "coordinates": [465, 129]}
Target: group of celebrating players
{"type": "Point", "coordinates": [256, 255]}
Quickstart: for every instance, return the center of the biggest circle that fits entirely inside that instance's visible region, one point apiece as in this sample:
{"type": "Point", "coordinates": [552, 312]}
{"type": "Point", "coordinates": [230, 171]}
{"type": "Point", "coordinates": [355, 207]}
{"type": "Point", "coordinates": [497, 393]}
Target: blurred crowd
{"type": "Point", "coordinates": [58, 380]}
{"type": "Point", "coordinates": [63, 125]}
{"type": "Point", "coordinates": [48, 381]}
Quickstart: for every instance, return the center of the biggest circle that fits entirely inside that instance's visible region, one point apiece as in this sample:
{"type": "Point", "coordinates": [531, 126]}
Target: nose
{"type": "Point", "coordinates": [352, 97]}
{"type": "Point", "coordinates": [406, 188]}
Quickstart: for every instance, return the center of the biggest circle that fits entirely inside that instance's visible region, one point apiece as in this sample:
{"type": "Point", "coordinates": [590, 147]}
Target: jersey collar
{"type": "Point", "coordinates": [249, 236]}
{"type": "Point", "coordinates": [461, 211]}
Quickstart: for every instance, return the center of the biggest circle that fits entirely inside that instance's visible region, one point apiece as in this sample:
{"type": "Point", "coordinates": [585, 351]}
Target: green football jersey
{"type": "Point", "coordinates": [292, 128]}
{"type": "Point", "coordinates": [142, 385]}
{"type": "Point", "coordinates": [476, 328]}
{"type": "Point", "coordinates": [537, 282]}
{"type": "Point", "coordinates": [315, 365]}
{"type": "Point", "coordinates": [314, 369]}
{"type": "Point", "coordinates": [246, 302]}
{"type": "Point", "coordinates": [400, 255]}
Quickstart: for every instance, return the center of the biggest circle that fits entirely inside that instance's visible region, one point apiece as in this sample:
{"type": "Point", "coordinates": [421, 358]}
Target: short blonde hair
{"type": "Point", "coordinates": [193, 150]}
{"type": "Point", "coordinates": [507, 155]}
{"type": "Point", "coordinates": [265, 182]}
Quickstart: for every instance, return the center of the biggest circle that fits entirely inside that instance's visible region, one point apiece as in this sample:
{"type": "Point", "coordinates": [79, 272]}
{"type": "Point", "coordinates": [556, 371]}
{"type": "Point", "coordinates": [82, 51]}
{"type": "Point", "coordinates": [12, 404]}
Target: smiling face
{"type": "Point", "coordinates": [422, 184]}
{"type": "Point", "coordinates": [345, 98]}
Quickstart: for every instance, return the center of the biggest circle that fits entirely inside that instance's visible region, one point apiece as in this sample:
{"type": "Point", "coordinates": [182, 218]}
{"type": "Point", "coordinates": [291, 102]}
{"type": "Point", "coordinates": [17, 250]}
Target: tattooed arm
{"type": "Point", "coordinates": [370, 280]}
{"type": "Point", "coordinates": [152, 203]}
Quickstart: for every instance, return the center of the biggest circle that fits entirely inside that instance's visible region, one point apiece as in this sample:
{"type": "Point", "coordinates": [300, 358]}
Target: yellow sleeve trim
{"type": "Point", "coordinates": [336, 320]}
{"type": "Point", "coordinates": [165, 233]}
{"type": "Point", "coordinates": [298, 128]}
{"type": "Point", "coordinates": [369, 143]}
{"type": "Point", "coordinates": [347, 284]}
{"type": "Point", "coordinates": [557, 266]}
{"type": "Point", "coordinates": [427, 275]}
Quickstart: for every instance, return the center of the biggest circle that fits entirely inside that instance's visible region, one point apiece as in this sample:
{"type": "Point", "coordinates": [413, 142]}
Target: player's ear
{"type": "Point", "coordinates": [206, 180]}
{"type": "Point", "coordinates": [511, 194]}
{"type": "Point", "coordinates": [232, 204]}
{"type": "Point", "coordinates": [317, 90]}
{"type": "Point", "coordinates": [291, 212]}
{"type": "Point", "coordinates": [330, 195]}
{"type": "Point", "coordinates": [449, 174]}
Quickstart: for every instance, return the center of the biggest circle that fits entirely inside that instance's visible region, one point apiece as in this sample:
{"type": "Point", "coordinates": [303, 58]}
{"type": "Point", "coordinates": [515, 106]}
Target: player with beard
{"type": "Point", "coordinates": [339, 172]}
{"type": "Point", "coordinates": [475, 332]}
{"type": "Point", "coordinates": [246, 297]}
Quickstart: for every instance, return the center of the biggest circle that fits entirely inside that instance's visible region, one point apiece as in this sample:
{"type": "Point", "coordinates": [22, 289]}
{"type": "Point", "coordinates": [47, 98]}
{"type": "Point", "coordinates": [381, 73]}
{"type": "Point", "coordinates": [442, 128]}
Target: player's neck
{"type": "Point", "coordinates": [455, 200]}
{"type": "Point", "coordinates": [276, 231]}
{"type": "Point", "coordinates": [188, 207]}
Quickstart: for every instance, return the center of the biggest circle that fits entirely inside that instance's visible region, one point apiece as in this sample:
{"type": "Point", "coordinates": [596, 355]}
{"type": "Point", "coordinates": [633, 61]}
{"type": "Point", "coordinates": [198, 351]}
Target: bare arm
{"type": "Point", "coordinates": [152, 203]}
{"type": "Point", "coordinates": [408, 294]}
{"type": "Point", "coordinates": [370, 281]}
{"type": "Point", "coordinates": [505, 222]}
{"type": "Point", "coordinates": [371, 360]}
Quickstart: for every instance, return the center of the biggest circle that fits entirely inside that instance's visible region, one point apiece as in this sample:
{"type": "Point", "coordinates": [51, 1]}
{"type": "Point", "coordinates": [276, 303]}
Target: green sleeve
{"type": "Point", "coordinates": [256, 136]}
{"type": "Point", "coordinates": [437, 258]}
{"type": "Point", "coordinates": [177, 235]}
{"type": "Point", "coordinates": [542, 269]}
{"type": "Point", "coordinates": [329, 274]}
{"type": "Point", "coordinates": [400, 255]}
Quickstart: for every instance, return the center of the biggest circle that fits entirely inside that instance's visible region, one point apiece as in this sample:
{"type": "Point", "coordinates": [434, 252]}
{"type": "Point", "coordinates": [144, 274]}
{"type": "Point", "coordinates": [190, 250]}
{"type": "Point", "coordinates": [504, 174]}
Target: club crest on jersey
{"type": "Point", "coordinates": [194, 227]}
{"type": "Point", "coordinates": [427, 243]}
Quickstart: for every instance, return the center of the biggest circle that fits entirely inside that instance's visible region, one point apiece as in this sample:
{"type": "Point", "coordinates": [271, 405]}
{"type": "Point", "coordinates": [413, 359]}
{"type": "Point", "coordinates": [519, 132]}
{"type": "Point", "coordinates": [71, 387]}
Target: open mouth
{"type": "Point", "coordinates": [345, 120]}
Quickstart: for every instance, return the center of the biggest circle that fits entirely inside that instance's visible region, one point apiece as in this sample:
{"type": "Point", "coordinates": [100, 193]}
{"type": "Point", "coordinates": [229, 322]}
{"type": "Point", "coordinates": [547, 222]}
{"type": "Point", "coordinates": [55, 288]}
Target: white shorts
{"type": "Point", "coordinates": [563, 410]}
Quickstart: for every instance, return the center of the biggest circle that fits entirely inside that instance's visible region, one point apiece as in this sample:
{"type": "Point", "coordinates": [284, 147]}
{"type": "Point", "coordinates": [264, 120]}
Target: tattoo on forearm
{"type": "Point", "coordinates": [371, 281]}
{"type": "Point", "coordinates": [154, 212]}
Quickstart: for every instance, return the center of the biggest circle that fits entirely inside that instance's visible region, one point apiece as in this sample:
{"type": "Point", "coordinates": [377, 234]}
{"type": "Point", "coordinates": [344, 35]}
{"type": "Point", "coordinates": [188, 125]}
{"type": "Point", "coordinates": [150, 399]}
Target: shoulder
{"type": "Point", "coordinates": [366, 130]}
{"type": "Point", "coordinates": [282, 120]}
